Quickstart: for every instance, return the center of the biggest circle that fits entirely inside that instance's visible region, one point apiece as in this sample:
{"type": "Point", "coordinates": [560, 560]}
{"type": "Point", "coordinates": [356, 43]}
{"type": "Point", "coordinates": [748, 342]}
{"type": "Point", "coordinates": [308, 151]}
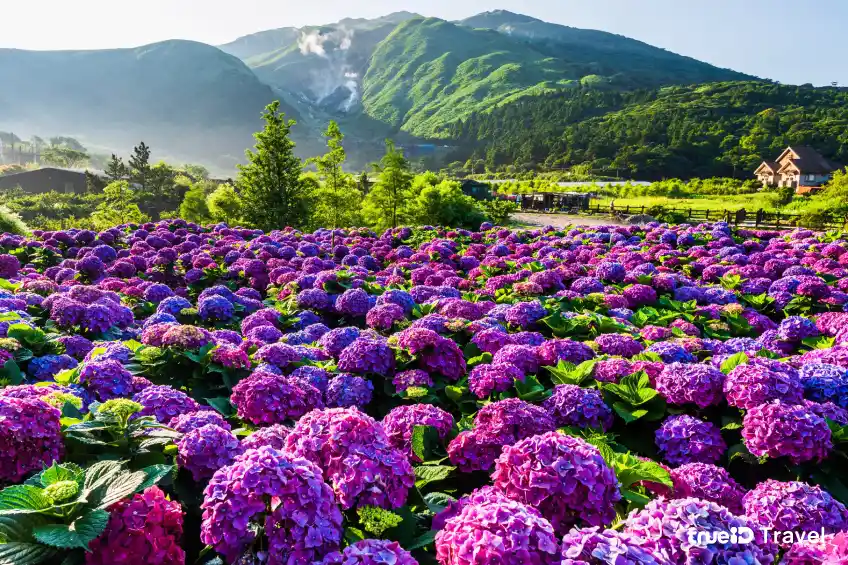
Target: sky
{"type": "Point", "coordinates": [790, 41]}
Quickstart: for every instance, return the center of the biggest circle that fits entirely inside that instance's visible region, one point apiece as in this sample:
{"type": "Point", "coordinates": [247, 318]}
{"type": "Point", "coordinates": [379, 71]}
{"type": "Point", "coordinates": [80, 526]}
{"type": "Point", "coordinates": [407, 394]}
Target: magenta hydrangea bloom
{"type": "Point", "coordinates": [685, 439]}
{"type": "Point", "coordinates": [204, 450]}
{"type": "Point", "coordinates": [142, 530]}
{"type": "Point", "coordinates": [436, 354]}
{"type": "Point", "coordinates": [367, 356]}
{"type": "Point", "coordinates": [571, 405]}
{"type": "Point", "coordinates": [482, 495]}
{"type": "Point", "coordinates": [594, 546]}
{"type": "Point", "coordinates": [691, 383]}
{"type": "Point", "coordinates": [285, 495]}
{"type": "Point", "coordinates": [355, 454]}
{"type": "Point", "coordinates": [563, 477]}
{"type": "Point", "coordinates": [662, 528]}
{"type": "Point", "coordinates": [371, 552]}
{"type": "Point", "coordinates": [382, 318]}
{"type": "Point", "coordinates": [278, 354]}
{"type": "Point", "coordinates": [30, 437]}
{"type": "Point", "coordinates": [522, 356]}
{"type": "Point", "coordinates": [748, 386]}
{"type": "Point", "coordinates": [794, 507]}
{"type": "Point", "coordinates": [400, 422]}
{"type": "Point", "coordinates": [164, 402]}
{"type": "Point", "coordinates": [185, 337]}
{"type": "Point", "coordinates": [496, 425]}
{"type": "Point", "coordinates": [497, 533]}
{"type": "Point", "coordinates": [335, 341]}
{"type": "Point", "coordinates": [553, 351]}
{"type": "Point", "coordinates": [106, 379]}
{"type": "Point", "coordinates": [265, 398]}
{"type": "Point", "coordinates": [231, 357]}
{"type": "Point", "coordinates": [496, 377]}
{"type": "Point", "coordinates": [832, 550]}
{"type": "Point", "coordinates": [708, 482]}
{"type": "Point", "coordinates": [618, 344]}
{"type": "Point", "coordinates": [786, 430]}
{"type": "Point", "coordinates": [411, 378]}
{"type": "Point", "coordinates": [185, 423]}
{"type": "Point", "coordinates": [272, 436]}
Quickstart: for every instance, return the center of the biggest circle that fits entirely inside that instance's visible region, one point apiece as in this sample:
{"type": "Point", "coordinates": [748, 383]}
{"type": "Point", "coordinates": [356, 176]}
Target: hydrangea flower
{"type": "Point", "coordinates": [412, 378]}
{"type": "Point", "coordinates": [832, 550]}
{"type": "Point", "coordinates": [30, 437]}
{"type": "Point", "coordinates": [708, 482]}
{"type": "Point", "coordinates": [571, 405]}
{"type": "Point", "coordinates": [371, 552]}
{"type": "Point", "coordinates": [164, 402]}
{"type": "Point", "coordinates": [776, 429]}
{"type": "Point", "coordinates": [691, 383]}
{"type": "Point", "coordinates": [497, 533]}
{"type": "Point", "coordinates": [618, 344]}
{"type": "Point", "coordinates": [106, 379]}
{"type": "Point", "coordinates": [272, 436]}
{"type": "Point", "coordinates": [495, 377]}
{"type": "Point", "coordinates": [142, 530]}
{"type": "Point", "coordinates": [594, 546]}
{"type": "Point", "coordinates": [824, 382]}
{"type": "Point", "coordinates": [266, 398]}
{"type": "Point", "coordinates": [367, 356]}
{"type": "Point", "coordinates": [204, 450]}
{"type": "Point", "coordinates": [185, 423]}
{"type": "Point", "coordinates": [563, 477]}
{"type": "Point", "coordinates": [400, 422]}
{"type": "Point", "coordinates": [345, 391]}
{"type": "Point", "coordinates": [685, 439]}
{"type": "Point", "coordinates": [553, 351]}
{"type": "Point", "coordinates": [748, 386]}
{"type": "Point", "coordinates": [794, 507]}
{"type": "Point", "coordinates": [285, 495]}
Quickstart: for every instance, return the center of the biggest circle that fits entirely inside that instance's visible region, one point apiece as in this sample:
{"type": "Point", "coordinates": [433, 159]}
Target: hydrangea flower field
{"type": "Point", "coordinates": [178, 394]}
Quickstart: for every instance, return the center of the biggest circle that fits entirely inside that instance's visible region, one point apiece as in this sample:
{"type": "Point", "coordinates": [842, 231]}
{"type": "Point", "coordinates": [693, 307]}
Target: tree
{"type": "Point", "coordinates": [386, 199]}
{"type": "Point", "coordinates": [197, 172]}
{"type": "Point", "coordinates": [194, 207]}
{"type": "Point", "coordinates": [61, 156]}
{"type": "Point", "coordinates": [363, 183]}
{"type": "Point", "coordinates": [118, 207]}
{"type": "Point", "coordinates": [140, 165]}
{"type": "Point", "coordinates": [270, 184]}
{"type": "Point", "coordinates": [116, 169]}
{"type": "Point", "coordinates": [224, 204]}
{"type": "Point", "coordinates": [336, 200]}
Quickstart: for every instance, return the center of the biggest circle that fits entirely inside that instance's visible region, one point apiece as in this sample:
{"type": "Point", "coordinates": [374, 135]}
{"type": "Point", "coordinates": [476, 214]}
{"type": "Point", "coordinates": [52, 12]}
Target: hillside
{"type": "Point", "coordinates": [718, 129]}
{"type": "Point", "coordinates": [185, 99]}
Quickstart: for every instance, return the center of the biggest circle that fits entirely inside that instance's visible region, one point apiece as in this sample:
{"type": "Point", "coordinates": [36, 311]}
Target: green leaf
{"type": "Point", "coordinates": [426, 474]}
{"type": "Point", "coordinates": [117, 488]}
{"type": "Point", "coordinates": [60, 472]}
{"type": "Point", "coordinates": [222, 404]}
{"type": "Point", "coordinates": [422, 541]}
{"type": "Point", "coordinates": [734, 361]}
{"type": "Point", "coordinates": [418, 444]}
{"type": "Point", "coordinates": [353, 535]}
{"type": "Point", "coordinates": [838, 433]}
{"type": "Point", "coordinates": [12, 372]}
{"type": "Point", "coordinates": [377, 520]}
{"type": "Point", "coordinates": [25, 553]}
{"type": "Point", "coordinates": [630, 470]}
{"type": "Point", "coordinates": [76, 535]}
{"type": "Point", "coordinates": [154, 474]}
{"type": "Point", "coordinates": [531, 390]}
{"type": "Point", "coordinates": [438, 501]}
{"type": "Point", "coordinates": [636, 498]}
{"type": "Point", "coordinates": [568, 374]}
{"type": "Point", "coordinates": [23, 499]}
{"type": "Point", "coordinates": [455, 393]}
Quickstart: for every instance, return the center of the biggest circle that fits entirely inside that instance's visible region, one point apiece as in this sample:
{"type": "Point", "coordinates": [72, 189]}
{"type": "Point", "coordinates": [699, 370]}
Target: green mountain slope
{"type": "Point", "coordinates": [717, 129]}
{"type": "Point", "coordinates": [631, 62]}
{"type": "Point", "coordinates": [183, 98]}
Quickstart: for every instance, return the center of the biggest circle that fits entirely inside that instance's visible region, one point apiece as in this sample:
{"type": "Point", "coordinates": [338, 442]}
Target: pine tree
{"type": "Point", "coordinates": [386, 200]}
{"type": "Point", "coordinates": [140, 165]}
{"type": "Point", "coordinates": [270, 184]}
{"type": "Point", "coordinates": [116, 169]}
{"type": "Point", "coordinates": [337, 201]}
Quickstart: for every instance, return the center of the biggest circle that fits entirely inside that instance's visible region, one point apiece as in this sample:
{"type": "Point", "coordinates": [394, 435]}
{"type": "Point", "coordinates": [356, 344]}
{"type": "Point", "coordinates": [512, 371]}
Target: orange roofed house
{"type": "Point", "coordinates": [800, 167]}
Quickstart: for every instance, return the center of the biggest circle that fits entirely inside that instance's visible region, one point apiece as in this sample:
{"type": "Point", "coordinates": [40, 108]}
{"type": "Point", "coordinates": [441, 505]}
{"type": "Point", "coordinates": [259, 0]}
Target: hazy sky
{"type": "Point", "coordinates": [790, 41]}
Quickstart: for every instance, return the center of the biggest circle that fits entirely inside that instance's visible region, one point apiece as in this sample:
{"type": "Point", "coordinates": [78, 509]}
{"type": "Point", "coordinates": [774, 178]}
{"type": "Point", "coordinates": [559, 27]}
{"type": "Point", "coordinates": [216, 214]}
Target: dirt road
{"type": "Point", "coordinates": [563, 220]}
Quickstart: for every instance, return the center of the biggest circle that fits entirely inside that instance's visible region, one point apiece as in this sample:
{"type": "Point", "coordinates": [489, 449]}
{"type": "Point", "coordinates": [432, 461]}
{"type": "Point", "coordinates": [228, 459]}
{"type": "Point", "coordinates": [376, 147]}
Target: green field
{"type": "Point", "coordinates": [750, 202]}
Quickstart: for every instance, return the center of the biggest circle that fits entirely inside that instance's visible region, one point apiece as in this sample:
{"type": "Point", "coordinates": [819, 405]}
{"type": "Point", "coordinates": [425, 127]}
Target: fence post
{"type": "Point", "coordinates": [707, 215]}
{"type": "Point", "coordinates": [690, 213]}
{"type": "Point", "coordinates": [777, 219]}
{"type": "Point", "coordinates": [643, 210]}
{"type": "Point", "coordinates": [627, 209]}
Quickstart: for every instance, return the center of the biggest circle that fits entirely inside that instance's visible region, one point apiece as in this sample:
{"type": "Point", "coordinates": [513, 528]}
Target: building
{"type": "Point", "coordinates": [475, 189]}
{"type": "Point", "coordinates": [45, 180]}
{"type": "Point", "coordinates": [554, 201]}
{"type": "Point", "coordinates": [803, 168]}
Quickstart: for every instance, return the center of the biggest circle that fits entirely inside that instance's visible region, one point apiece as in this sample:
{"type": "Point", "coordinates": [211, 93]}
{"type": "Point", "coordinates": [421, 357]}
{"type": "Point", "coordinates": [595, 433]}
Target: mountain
{"type": "Point", "coordinates": [186, 100]}
{"type": "Point", "coordinates": [634, 63]}
{"type": "Point", "coordinates": [714, 129]}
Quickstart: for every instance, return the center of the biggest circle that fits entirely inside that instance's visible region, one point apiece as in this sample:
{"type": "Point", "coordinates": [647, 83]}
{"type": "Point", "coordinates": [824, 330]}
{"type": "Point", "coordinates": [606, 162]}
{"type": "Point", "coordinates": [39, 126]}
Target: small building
{"type": "Point", "coordinates": [476, 189]}
{"type": "Point", "coordinates": [800, 167]}
{"type": "Point", "coordinates": [555, 201]}
{"type": "Point", "coordinates": [46, 180]}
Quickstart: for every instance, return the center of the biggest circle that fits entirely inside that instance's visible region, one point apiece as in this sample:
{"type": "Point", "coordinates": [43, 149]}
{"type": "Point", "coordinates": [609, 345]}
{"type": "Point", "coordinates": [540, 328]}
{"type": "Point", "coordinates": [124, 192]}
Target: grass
{"type": "Point", "coordinates": [750, 202]}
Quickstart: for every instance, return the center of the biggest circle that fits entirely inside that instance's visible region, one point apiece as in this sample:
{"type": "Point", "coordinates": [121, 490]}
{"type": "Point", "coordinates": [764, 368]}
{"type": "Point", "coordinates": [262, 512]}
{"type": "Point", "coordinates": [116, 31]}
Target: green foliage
{"type": "Point", "coordinates": [383, 207]}
{"type": "Point", "coordinates": [273, 194]}
{"type": "Point", "coordinates": [376, 520]}
{"type": "Point", "coordinates": [442, 204]}
{"type": "Point", "coordinates": [11, 222]}
{"type": "Point", "coordinates": [337, 201]}
{"type": "Point", "coordinates": [118, 207]}
{"type": "Point", "coordinates": [59, 511]}
{"type": "Point", "coordinates": [499, 210]}
{"type": "Point", "coordinates": [194, 207]}
{"type": "Point", "coordinates": [225, 205]}
{"type": "Point", "coordinates": [633, 398]}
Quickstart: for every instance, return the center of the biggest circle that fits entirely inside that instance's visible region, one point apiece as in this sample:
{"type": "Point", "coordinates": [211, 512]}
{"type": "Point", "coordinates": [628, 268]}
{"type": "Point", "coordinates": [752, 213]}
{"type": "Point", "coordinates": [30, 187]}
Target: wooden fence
{"type": "Point", "coordinates": [741, 218]}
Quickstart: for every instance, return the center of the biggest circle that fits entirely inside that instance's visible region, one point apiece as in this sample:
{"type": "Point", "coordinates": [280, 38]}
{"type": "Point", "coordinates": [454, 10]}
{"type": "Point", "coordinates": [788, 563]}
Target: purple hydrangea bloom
{"type": "Point", "coordinates": [708, 482]}
{"type": "Point", "coordinates": [690, 383]}
{"type": "Point", "coordinates": [76, 346]}
{"type": "Point", "coordinates": [204, 450]}
{"type": "Point", "coordinates": [562, 476]}
{"type": "Point", "coordinates": [521, 356]}
{"type": "Point", "coordinates": [185, 337]}
{"type": "Point", "coordinates": [370, 552]}
{"type": "Point", "coordinates": [30, 437]}
{"type": "Point", "coordinates": [272, 436]}
{"type": "Point", "coordinates": [240, 494]}
{"type": "Point", "coordinates": [671, 352]}
{"type": "Point", "coordinates": [553, 351]}
{"type": "Point", "coordinates": [611, 272]}
{"type": "Point", "coordinates": [411, 378]}
{"type": "Point", "coordinates": [382, 318]}
{"type": "Point", "coordinates": [794, 507]}
{"type": "Point", "coordinates": [47, 366]}
{"type": "Point", "coordinates": [164, 402]}
{"type": "Point", "coordinates": [278, 354]}
{"type": "Point", "coordinates": [593, 546]}
{"type": "Point", "coordinates": [618, 344]}
{"type": "Point", "coordinates": [514, 533]}
{"type": "Point", "coordinates": [776, 429]}
{"type": "Point", "coordinates": [346, 391]}
{"type": "Point", "coordinates": [750, 385]}
{"type": "Point", "coordinates": [400, 422]}
{"type": "Point", "coordinates": [797, 328]}
{"type": "Point", "coordinates": [265, 398]}
{"type": "Point", "coordinates": [367, 356]}
{"type": "Point", "coordinates": [106, 379]}
{"type": "Point", "coordinates": [185, 423]}
{"type": "Point", "coordinates": [215, 309]}
{"type": "Point", "coordinates": [525, 314]}
{"type": "Point", "coordinates": [662, 526]}
{"type": "Point", "coordinates": [354, 302]}
{"type": "Point", "coordinates": [824, 382]}
{"type": "Point", "coordinates": [685, 439]}
{"type": "Point", "coordinates": [496, 377]}
{"type": "Point", "coordinates": [571, 405]}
